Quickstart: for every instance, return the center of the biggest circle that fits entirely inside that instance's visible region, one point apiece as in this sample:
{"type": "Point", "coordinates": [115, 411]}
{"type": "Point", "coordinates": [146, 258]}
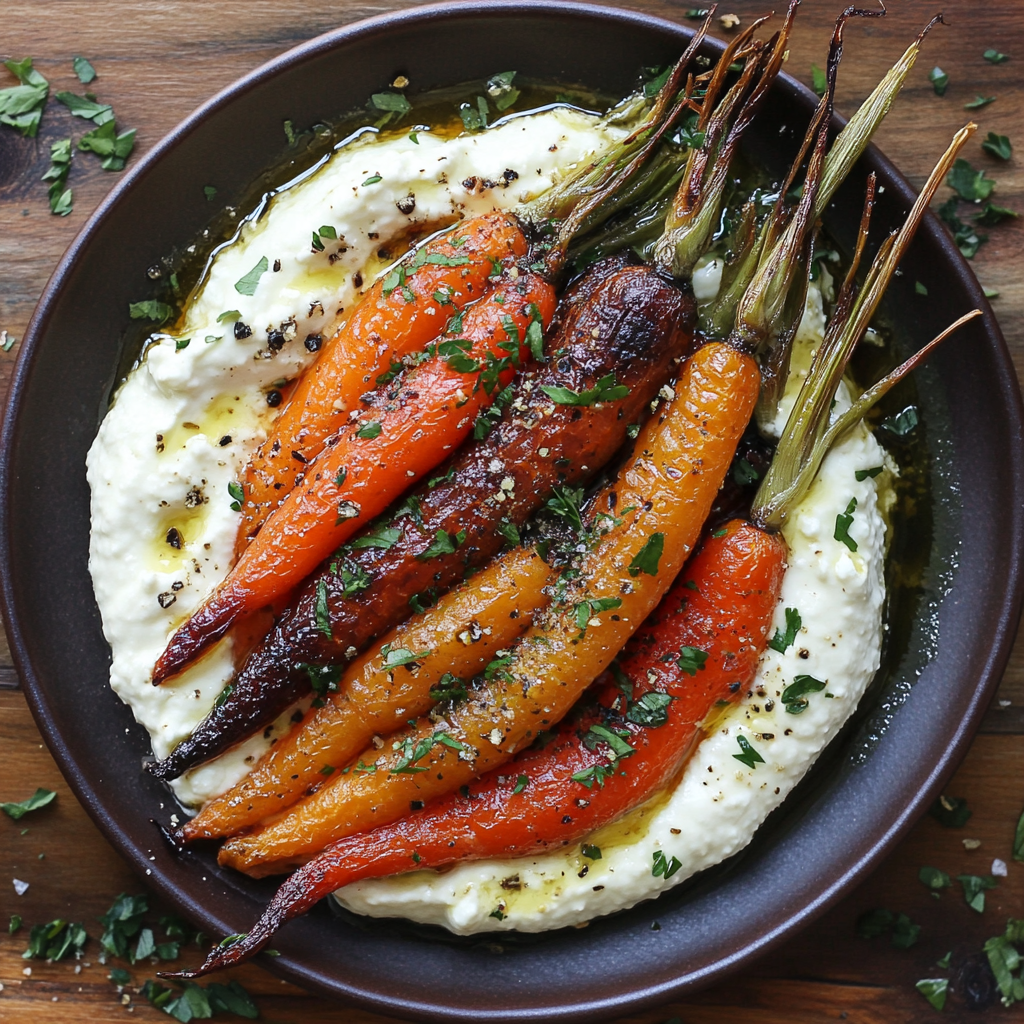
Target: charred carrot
{"type": "Point", "coordinates": [399, 315]}
{"type": "Point", "coordinates": [489, 490]}
{"type": "Point", "coordinates": [425, 660]}
{"type": "Point", "coordinates": [411, 425]}
{"type": "Point", "coordinates": [647, 523]}
{"type": "Point", "coordinates": [698, 650]}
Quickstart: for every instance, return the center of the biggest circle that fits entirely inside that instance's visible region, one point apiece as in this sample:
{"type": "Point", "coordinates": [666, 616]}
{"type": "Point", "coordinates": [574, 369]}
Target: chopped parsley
{"type": "Point", "coordinates": [55, 941]}
{"type": "Point", "coordinates": [372, 179]}
{"type": "Point", "coordinates": [323, 679]}
{"type": "Point", "coordinates": [691, 660]}
{"type": "Point", "coordinates": [783, 640]}
{"type": "Point", "coordinates": [998, 146]}
{"type": "Point", "coordinates": [21, 106]}
{"type": "Point", "coordinates": [246, 285]}
{"type": "Point", "coordinates": [474, 116]}
{"type": "Point", "coordinates": [521, 783]}
{"type": "Point", "coordinates": [663, 867]}
{"type": "Point", "coordinates": [602, 734]}
{"type": "Point", "coordinates": [382, 536]}
{"type": "Point", "coordinates": [150, 309]}
{"type": "Point", "coordinates": [194, 1002]}
{"type": "Point", "coordinates": [607, 389]}
{"type": "Point", "coordinates": [950, 811]}
{"type": "Point", "coordinates": [368, 431]}
{"type": "Point", "coordinates": [594, 775]}
{"type": "Point", "coordinates": [819, 80]}
{"type": "Point", "coordinates": [237, 495]}
{"type": "Point", "coordinates": [974, 889]}
{"type": "Point", "coordinates": [105, 142]}
{"type": "Point", "coordinates": [510, 532]}
{"type": "Point", "coordinates": [647, 558]}
{"type": "Point", "coordinates": [991, 214]}
{"type": "Point", "coordinates": [229, 316]}
{"type": "Point", "coordinates": [40, 798]}
{"type": "Point", "coordinates": [590, 851]}
{"type": "Point", "coordinates": [586, 610]}
{"type": "Point", "coordinates": [794, 696]}
{"type": "Point", "coordinates": [995, 57]}
{"type": "Point", "coordinates": [965, 235]}
{"type": "Point", "coordinates": [322, 610]}
{"type": "Point", "coordinates": [82, 106]}
{"type": "Point", "coordinates": [968, 183]}
{"type": "Point", "coordinates": [934, 990]}
{"type": "Point", "coordinates": [210, 192]}
{"type": "Point", "coordinates": [978, 102]}
{"type": "Point", "coordinates": [920, 288]}
{"type": "Point", "coordinates": [934, 879]}
{"type": "Point", "coordinates": [939, 80]}
{"type": "Point", "coordinates": [843, 523]}
{"type": "Point", "coordinates": [744, 473]}
{"type": "Point", "coordinates": [499, 87]}
{"type": "Point", "coordinates": [443, 544]}
{"type": "Point", "coordinates": [448, 687]}
{"type": "Point", "coordinates": [61, 199]}
{"type": "Point", "coordinates": [902, 423]}
{"type": "Point", "coordinates": [651, 710]}
{"type": "Point", "coordinates": [748, 755]}
{"type": "Point", "coordinates": [1018, 840]}
{"type": "Point", "coordinates": [413, 752]}
{"type": "Point", "coordinates": [84, 70]}
{"type": "Point", "coordinates": [865, 474]}
{"type": "Point", "coordinates": [392, 102]}
{"type": "Point", "coordinates": [395, 657]}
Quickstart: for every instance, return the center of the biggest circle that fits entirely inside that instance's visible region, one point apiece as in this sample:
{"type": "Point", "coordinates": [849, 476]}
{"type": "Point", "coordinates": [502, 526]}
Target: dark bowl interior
{"type": "Point", "coordinates": [872, 783]}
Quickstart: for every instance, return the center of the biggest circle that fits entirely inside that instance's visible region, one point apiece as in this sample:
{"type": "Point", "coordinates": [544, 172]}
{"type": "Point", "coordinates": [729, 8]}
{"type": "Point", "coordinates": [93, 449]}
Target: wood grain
{"type": "Point", "coordinates": [156, 62]}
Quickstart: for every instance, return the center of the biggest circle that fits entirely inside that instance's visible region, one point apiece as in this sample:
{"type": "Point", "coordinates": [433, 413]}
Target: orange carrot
{"type": "Point", "coordinates": [699, 649]}
{"type": "Point", "coordinates": [384, 687]}
{"type": "Point", "coordinates": [662, 499]}
{"type": "Point", "coordinates": [399, 315]}
{"type": "Point", "coordinates": [411, 425]}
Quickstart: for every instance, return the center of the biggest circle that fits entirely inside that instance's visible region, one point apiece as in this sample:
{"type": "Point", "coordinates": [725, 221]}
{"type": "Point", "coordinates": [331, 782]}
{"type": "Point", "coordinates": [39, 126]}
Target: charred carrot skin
{"type": "Point", "coordinates": [394, 319]}
{"type": "Point", "coordinates": [410, 425]}
{"type": "Point", "coordinates": [720, 608]}
{"type": "Point", "coordinates": [644, 324]}
{"type": "Point", "coordinates": [663, 494]}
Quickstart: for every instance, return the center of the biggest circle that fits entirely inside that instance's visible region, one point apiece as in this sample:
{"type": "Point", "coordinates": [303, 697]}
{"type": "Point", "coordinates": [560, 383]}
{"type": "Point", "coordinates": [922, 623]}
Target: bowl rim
{"type": "Point", "coordinates": [988, 674]}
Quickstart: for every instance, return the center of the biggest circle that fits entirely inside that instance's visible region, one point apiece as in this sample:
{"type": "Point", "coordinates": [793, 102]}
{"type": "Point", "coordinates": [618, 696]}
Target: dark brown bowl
{"type": "Point", "coordinates": [948, 649]}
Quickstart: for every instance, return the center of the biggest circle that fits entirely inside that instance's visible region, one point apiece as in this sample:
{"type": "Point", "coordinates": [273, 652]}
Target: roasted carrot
{"type": "Point", "coordinates": [411, 425]}
{"type": "Point", "coordinates": [424, 660]}
{"type": "Point", "coordinates": [399, 315]}
{"type": "Point", "coordinates": [698, 650]}
{"type": "Point", "coordinates": [647, 523]}
{"type": "Point", "coordinates": [643, 324]}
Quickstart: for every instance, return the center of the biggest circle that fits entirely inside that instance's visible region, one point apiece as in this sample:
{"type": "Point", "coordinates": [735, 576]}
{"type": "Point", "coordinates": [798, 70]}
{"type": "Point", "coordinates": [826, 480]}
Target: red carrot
{"type": "Point", "coordinates": [411, 424]}
{"type": "Point", "coordinates": [698, 650]}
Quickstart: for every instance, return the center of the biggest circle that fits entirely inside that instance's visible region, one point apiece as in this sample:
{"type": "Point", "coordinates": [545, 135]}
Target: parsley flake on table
{"type": "Point", "coordinates": [82, 106]}
{"type": "Point", "coordinates": [995, 57]}
{"type": "Point", "coordinates": [60, 165]}
{"type": "Point", "coordinates": [113, 148]}
{"type": "Point", "coordinates": [934, 878]}
{"type": "Point", "coordinates": [998, 146]}
{"type": "Point", "coordinates": [966, 237]}
{"type": "Point", "coordinates": [974, 889]}
{"type": "Point", "coordinates": [819, 80]}
{"type": "Point", "coordinates": [21, 106]}
{"type": "Point", "coordinates": [84, 70]}
{"type": "Point", "coordinates": [40, 798]}
{"type": "Point", "coordinates": [934, 990]}
{"type": "Point", "coordinates": [939, 80]}
{"type": "Point", "coordinates": [968, 183]}
{"type": "Point", "coordinates": [991, 214]}
{"type": "Point", "coordinates": [978, 102]}
{"type": "Point", "coordinates": [950, 811]}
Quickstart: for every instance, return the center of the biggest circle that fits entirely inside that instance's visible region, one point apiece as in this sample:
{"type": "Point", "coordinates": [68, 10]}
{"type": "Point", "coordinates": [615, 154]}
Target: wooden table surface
{"type": "Point", "coordinates": [156, 62]}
